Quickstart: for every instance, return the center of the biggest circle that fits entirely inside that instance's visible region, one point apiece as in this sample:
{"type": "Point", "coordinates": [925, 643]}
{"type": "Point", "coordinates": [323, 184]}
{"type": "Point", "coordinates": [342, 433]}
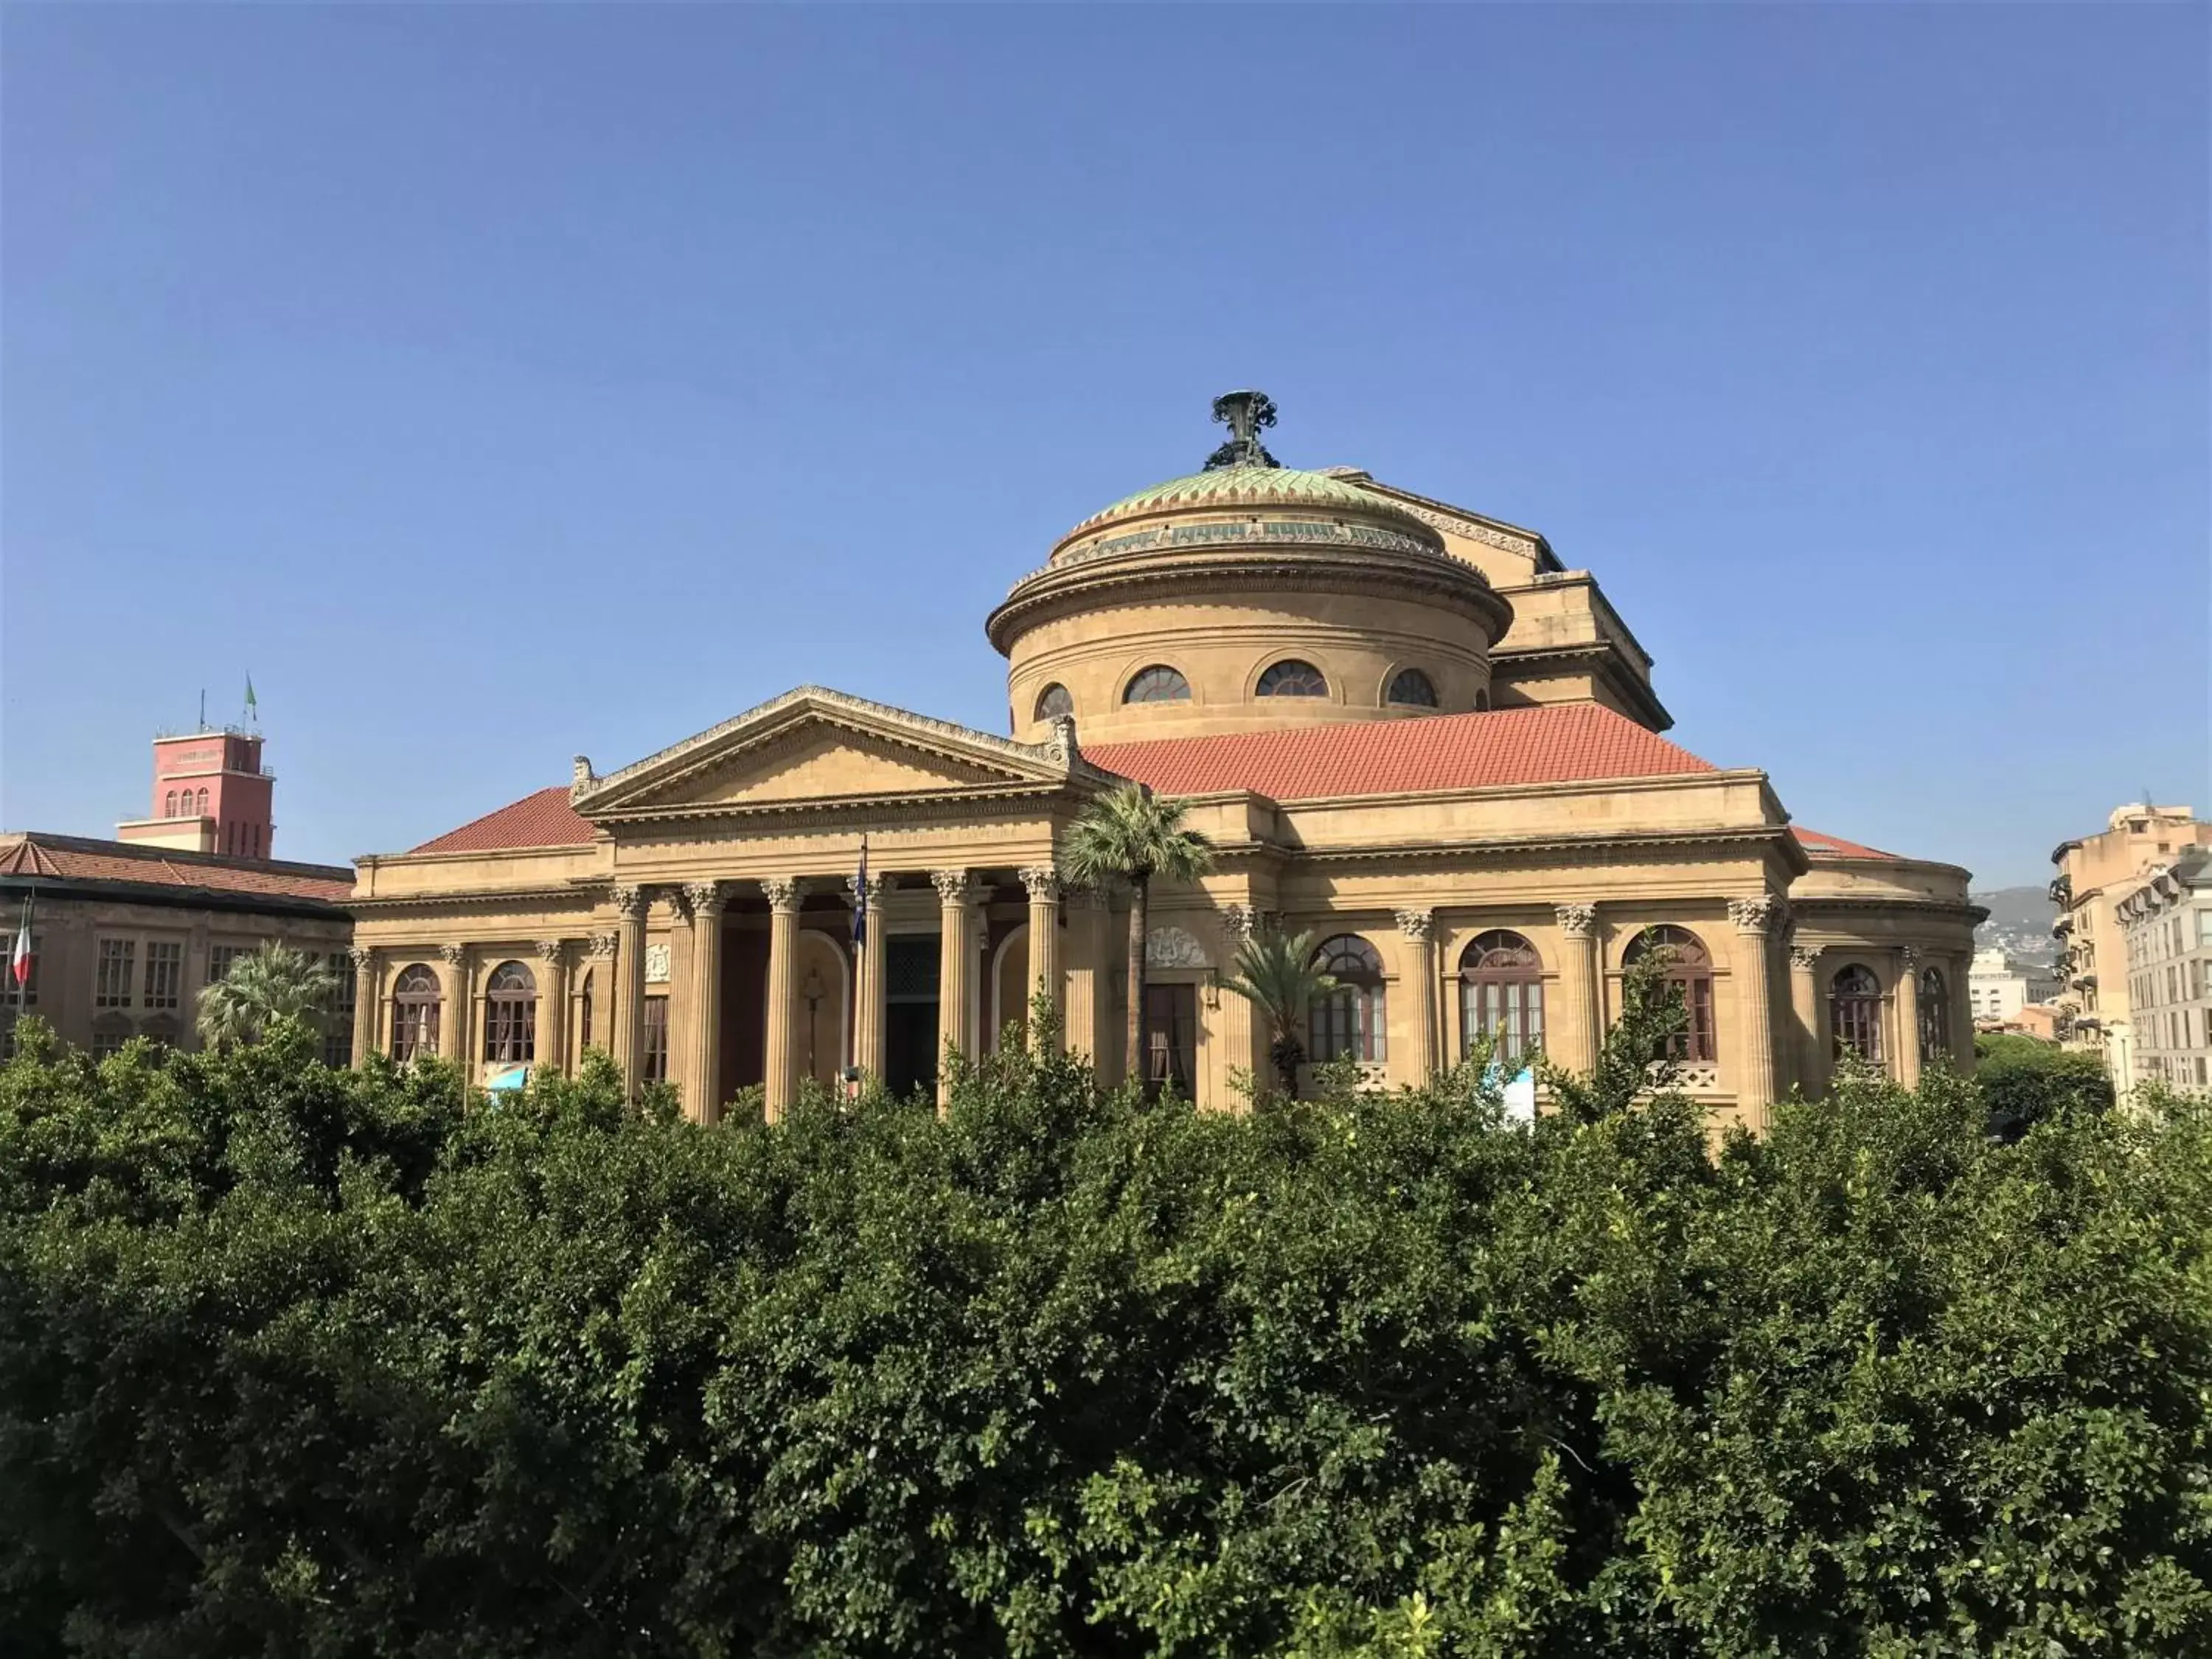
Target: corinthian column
{"type": "Point", "coordinates": [628, 1013]}
{"type": "Point", "coordinates": [1087, 973]}
{"type": "Point", "coordinates": [455, 1045]}
{"type": "Point", "coordinates": [1805, 1011]}
{"type": "Point", "coordinates": [552, 1006]}
{"type": "Point", "coordinates": [1240, 1030]}
{"type": "Point", "coordinates": [868, 1001]}
{"type": "Point", "coordinates": [1755, 919]}
{"type": "Point", "coordinates": [955, 968]}
{"type": "Point", "coordinates": [781, 1087]}
{"type": "Point", "coordinates": [1908, 1017]}
{"type": "Point", "coordinates": [364, 1002]}
{"type": "Point", "coordinates": [1043, 884]}
{"type": "Point", "coordinates": [1419, 928]}
{"type": "Point", "coordinates": [1585, 1020]}
{"type": "Point", "coordinates": [702, 1057]}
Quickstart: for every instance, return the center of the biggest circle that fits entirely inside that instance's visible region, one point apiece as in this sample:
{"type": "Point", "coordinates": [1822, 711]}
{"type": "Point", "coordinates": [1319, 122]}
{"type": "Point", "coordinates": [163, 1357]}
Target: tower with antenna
{"type": "Point", "coordinates": [210, 793]}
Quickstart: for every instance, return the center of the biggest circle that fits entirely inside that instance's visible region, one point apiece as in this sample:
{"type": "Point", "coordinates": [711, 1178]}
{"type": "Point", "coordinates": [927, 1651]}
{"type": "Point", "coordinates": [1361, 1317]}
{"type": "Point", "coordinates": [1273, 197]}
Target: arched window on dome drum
{"type": "Point", "coordinates": [1159, 683]}
{"type": "Point", "coordinates": [415, 999]}
{"type": "Point", "coordinates": [1482, 702]}
{"type": "Point", "coordinates": [1501, 994]}
{"type": "Point", "coordinates": [1855, 1012]}
{"type": "Point", "coordinates": [1293, 678]}
{"type": "Point", "coordinates": [1935, 1017]}
{"type": "Point", "coordinates": [1413, 687]}
{"type": "Point", "coordinates": [1351, 1021]}
{"type": "Point", "coordinates": [1054, 701]}
{"type": "Point", "coordinates": [1690, 971]}
{"type": "Point", "coordinates": [511, 1016]}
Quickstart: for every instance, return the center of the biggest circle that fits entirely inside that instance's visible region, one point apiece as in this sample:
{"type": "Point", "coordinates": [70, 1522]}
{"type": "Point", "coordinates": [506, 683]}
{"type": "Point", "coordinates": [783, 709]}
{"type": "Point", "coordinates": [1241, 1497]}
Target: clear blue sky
{"type": "Point", "coordinates": [497, 383]}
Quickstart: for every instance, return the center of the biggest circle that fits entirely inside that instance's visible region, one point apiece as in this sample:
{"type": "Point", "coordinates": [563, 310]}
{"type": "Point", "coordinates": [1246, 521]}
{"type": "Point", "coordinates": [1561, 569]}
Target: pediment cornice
{"type": "Point", "coordinates": [949, 761]}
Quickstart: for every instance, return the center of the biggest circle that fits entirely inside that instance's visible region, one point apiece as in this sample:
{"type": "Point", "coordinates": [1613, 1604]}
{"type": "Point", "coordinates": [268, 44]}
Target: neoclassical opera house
{"type": "Point", "coordinates": [1406, 727]}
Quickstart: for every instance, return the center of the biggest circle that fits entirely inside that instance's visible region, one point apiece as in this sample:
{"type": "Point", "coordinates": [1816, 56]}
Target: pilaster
{"type": "Point", "coordinates": [1419, 927]}
{"type": "Point", "coordinates": [1755, 919]}
{"type": "Point", "coordinates": [365, 1002]}
{"type": "Point", "coordinates": [1583, 1018]}
{"type": "Point", "coordinates": [1805, 1010]}
{"type": "Point", "coordinates": [552, 1006]}
{"type": "Point", "coordinates": [627, 1011]}
{"type": "Point", "coordinates": [457, 989]}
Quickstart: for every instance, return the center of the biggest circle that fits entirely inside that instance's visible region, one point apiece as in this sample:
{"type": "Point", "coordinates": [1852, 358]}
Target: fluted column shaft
{"type": "Point", "coordinates": [1088, 973]}
{"type": "Point", "coordinates": [1244, 1038]}
{"type": "Point", "coordinates": [453, 1039]}
{"type": "Point", "coordinates": [628, 998]}
{"type": "Point", "coordinates": [1042, 882]}
{"type": "Point", "coordinates": [1907, 1069]}
{"type": "Point", "coordinates": [552, 1042]}
{"type": "Point", "coordinates": [1419, 928]}
{"type": "Point", "coordinates": [1584, 1018]}
{"type": "Point", "coordinates": [1755, 921]}
{"type": "Point", "coordinates": [364, 1002]}
{"type": "Point", "coordinates": [1805, 1010]}
{"type": "Point", "coordinates": [956, 969]}
{"type": "Point", "coordinates": [781, 1081]}
{"type": "Point", "coordinates": [872, 987]}
{"type": "Point", "coordinates": [703, 1047]}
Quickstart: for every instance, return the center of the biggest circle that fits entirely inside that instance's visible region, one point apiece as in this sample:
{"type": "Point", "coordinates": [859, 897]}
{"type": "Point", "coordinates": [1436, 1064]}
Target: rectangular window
{"type": "Point", "coordinates": [220, 956]}
{"type": "Point", "coordinates": [337, 1036]}
{"type": "Point", "coordinates": [112, 982]}
{"type": "Point", "coordinates": [1170, 1037]}
{"type": "Point", "coordinates": [656, 1039]}
{"type": "Point", "coordinates": [584, 1015]}
{"type": "Point", "coordinates": [165, 972]}
{"type": "Point", "coordinates": [110, 1040]}
{"type": "Point", "coordinates": [25, 995]}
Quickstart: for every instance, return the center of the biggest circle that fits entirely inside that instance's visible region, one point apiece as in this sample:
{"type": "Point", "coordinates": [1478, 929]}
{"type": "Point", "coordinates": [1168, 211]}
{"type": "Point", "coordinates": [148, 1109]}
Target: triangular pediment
{"type": "Point", "coordinates": [814, 748]}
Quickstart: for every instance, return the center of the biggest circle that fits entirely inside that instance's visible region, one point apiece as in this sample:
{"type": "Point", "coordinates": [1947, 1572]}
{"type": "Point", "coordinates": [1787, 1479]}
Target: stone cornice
{"type": "Point", "coordinates": [1806, 908]}
{"type": "Point", "coordinates": [1058, 590]}
{"type": "Point", "coordinates": [1051, 762]}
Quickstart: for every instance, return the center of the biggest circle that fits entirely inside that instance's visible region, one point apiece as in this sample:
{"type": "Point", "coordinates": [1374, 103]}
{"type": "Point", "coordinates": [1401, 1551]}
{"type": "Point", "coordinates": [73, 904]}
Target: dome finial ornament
{"type": "Point", "coordinates": [1245, 414]}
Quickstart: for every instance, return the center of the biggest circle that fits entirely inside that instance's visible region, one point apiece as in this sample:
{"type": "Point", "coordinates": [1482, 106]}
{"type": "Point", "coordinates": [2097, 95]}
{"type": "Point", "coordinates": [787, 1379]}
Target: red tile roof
{"type": "Point", "coordinates": [75, 858]}
{"type": "Point", "coordinates": [1556, 744]}
{"type": "Point", "coordinates": [1835, 847]}
{"type": "Point", "coordinates": [540, 820]}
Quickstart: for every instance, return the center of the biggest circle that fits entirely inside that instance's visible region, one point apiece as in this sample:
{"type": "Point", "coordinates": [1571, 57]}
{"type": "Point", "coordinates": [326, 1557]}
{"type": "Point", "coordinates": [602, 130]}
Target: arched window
{"type": "Point", "coordinates": [201, 808]}
{"type": "Point", "coordinates": [584, 1014]}
{"type": "Point", "coordinates": [511, 1016]}
{"type": "Point", "coordinates": [1855, 1011]}
{"type": "Point", "coordinates": [1689, 970]}
{"type": "Point", "coordinates": [169, 804]}
{"type": "Point", "coordinates": [1159, 683]}
{"type": "Point", "coordinates": [1293, 678]}
{"type": "Point", "coordinates": [1413, 688]}
{"type": "Point", "coordinates": [1934, 1016]}
{"type": "Point", "coordinates": [1054, 701]}
{"type": "Point", "coordinates": [1482, 702]}
{"type": "Point", "coordinates": [1501, 994]}
{"type": "Point", "coordinates": [415, 1012]}
{"type": "Point", "coordinates": [1349, 1021]}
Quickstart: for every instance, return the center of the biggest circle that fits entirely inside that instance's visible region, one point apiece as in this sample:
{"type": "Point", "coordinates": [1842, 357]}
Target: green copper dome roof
{"type": "Point", "coordinates": [1274, 485]}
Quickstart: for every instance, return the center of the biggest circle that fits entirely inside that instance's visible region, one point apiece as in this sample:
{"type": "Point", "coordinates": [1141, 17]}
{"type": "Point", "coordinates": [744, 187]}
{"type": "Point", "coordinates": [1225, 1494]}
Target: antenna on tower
{"type": "Point", "coordinates": [203, 708]}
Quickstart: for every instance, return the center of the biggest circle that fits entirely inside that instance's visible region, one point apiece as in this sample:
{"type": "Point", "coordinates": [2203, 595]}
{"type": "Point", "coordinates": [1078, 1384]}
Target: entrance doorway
{"type": "Point", "coordinates": [1170, 1038]}
{"type": "Point", "coordinates": [910, 970]}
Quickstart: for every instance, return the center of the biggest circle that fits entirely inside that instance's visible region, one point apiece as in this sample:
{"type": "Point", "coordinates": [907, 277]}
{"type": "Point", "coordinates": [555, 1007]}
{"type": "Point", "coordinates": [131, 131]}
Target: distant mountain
{"type": "Point", "coordinates": [2019, 924]}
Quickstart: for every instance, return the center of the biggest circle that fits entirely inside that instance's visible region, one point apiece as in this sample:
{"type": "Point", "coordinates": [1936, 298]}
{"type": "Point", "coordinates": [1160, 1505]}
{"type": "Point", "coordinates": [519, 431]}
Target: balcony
{"type": "Point", "coordinates": [2060, 928]}
{"type": "Point", "coordinates": [2062, 891]}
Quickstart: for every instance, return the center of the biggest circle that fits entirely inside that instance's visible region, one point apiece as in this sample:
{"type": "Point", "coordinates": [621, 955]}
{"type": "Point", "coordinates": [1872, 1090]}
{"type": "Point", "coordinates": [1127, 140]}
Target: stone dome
{"type": "Point", "coordinates": [1245, 597]}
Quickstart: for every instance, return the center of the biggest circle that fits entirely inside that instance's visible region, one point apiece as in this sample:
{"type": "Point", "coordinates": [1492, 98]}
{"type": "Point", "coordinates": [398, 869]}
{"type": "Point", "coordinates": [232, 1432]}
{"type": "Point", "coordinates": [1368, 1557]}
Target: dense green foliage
{"type": "Point", "coordinates": [1279, 975]}
{"type": "Point", "coordinates": [2025, 1080]}
{"type": "Point", "coordinates": [303, 1362]}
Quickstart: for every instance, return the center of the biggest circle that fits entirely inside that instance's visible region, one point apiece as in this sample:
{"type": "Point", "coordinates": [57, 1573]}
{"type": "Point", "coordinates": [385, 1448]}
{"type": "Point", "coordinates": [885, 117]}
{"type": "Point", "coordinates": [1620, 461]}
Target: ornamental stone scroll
{"type": "Point", "coordinates": [1174, 947]}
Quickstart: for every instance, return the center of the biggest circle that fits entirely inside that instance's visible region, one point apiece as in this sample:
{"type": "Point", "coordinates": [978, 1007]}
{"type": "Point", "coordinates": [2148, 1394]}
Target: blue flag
{"type": "Point", "coordinates": [860, 899]}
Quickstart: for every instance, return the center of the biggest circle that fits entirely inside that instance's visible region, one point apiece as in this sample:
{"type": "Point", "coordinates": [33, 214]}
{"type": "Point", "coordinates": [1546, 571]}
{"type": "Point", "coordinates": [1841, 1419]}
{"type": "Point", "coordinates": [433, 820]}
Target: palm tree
{"type": "Point", "coordinates": [274, 981]}
{"type": "Point", "coordinates": [1279, 977]}
{"type": "Point", "coordinates": [1128, 834]}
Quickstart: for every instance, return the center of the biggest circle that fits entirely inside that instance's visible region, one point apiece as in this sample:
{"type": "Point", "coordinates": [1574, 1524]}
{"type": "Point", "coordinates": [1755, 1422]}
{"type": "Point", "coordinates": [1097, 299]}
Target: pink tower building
{"type": "Point", "coordinates": [209, 795]}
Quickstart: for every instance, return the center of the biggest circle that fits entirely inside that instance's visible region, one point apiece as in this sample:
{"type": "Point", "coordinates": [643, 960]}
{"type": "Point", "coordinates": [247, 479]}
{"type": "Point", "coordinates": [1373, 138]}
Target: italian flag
{"type": "Point", "coordinates": [19, 959]}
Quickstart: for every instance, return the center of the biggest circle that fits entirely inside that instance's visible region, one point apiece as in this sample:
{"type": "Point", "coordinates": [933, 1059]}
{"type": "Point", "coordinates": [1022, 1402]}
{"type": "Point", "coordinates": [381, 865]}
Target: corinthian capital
{"type": "Point", "coordinates": [362, 956]}
{"type": "Point", "coordinates": [453, 956]}
{"type": "Point", "coordinates": [1042, 881]}
{"type": "Point", "coordinates": [1238, 922]}
{"type": "Point", "coordinates": [954, 887]}
{"type": "Point", "coordinates": [630, 902]}
{"type": "Point", "coordinates": [1805, 957]}
{"type": "Point", "coordinates": [1576, 921]}
{"type": "Point", "coordinates": [1755, 915]}
{"type": "Point", "coordinates": [1417, 924]}
{"type": "Point", "coordinates": [552, 950]}
{"type": "Point", "coordinates": [601, 946]}
{"type": "Point", "coordinates": [784, 893]}
{"type": "Point", "coordinates": [706, 897]}
{"type": "Point", "coordinates": [873, 897]}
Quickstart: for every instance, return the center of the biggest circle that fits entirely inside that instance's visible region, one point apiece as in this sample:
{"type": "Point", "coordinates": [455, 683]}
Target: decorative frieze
{"type": "Point", "coordinates": [1576, 921]}
{"type": "Point", "coordinates": [1173, 947]}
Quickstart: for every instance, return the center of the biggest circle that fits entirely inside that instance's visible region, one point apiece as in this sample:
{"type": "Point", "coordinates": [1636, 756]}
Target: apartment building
{"type": "Point", "coordinates": [2165, 925]}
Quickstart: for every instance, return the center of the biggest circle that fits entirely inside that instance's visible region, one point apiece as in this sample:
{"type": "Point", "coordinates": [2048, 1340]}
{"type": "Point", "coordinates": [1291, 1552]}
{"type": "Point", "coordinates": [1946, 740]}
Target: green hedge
{"type": "Point", "coordinates": [303, 1362]}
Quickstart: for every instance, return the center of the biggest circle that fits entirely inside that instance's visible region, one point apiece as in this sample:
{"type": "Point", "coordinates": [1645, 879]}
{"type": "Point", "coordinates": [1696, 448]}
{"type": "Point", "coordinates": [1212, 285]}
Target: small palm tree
{"type": "Point", "coordinates": [274, 981]}
{"type": "Point", "coordinates": [1128, 834]}
{"type": "Point", "coordinates": [1279, 977]}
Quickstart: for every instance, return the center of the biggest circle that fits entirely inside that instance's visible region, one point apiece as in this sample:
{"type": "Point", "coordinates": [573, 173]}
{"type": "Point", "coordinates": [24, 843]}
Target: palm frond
{"type": "Point", "coordinates": [1130, 835]}
{"type": "Point", "coordinates": [273, 982]}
